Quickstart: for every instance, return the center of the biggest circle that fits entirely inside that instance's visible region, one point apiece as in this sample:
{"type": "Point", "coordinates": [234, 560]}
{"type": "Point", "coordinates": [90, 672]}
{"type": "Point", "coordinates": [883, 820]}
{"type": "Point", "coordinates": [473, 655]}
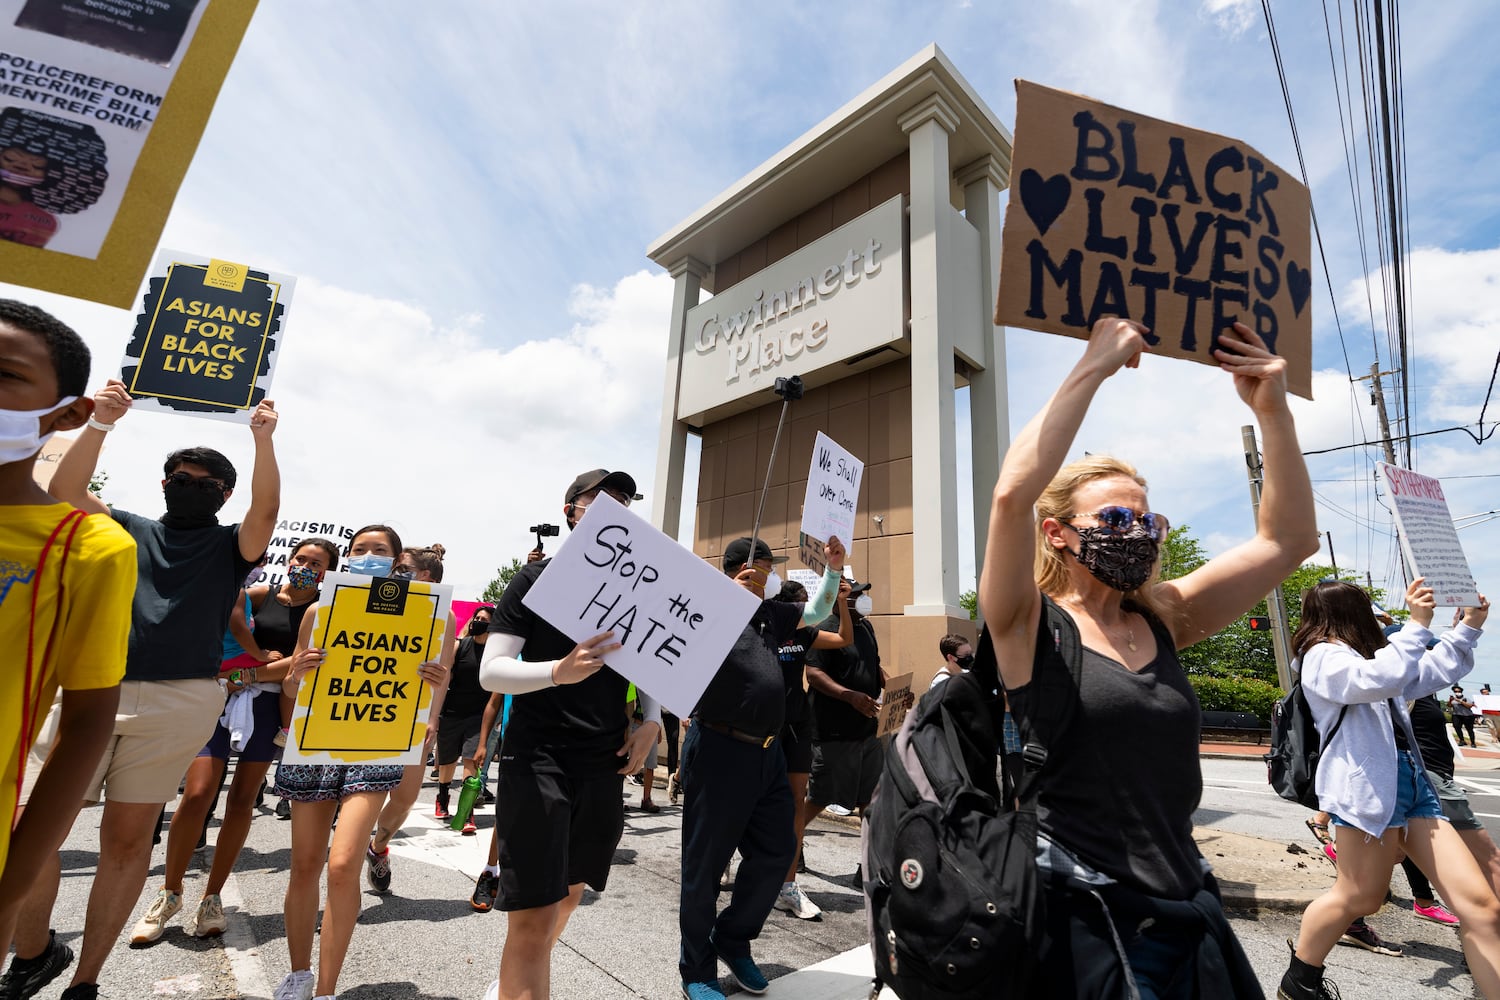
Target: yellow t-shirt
{"type": "Point", "coordinates": [74, 615]}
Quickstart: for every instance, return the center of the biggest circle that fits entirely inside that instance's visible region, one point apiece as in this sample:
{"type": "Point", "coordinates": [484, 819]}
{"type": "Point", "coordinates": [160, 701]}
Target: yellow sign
{"type": "Point", "coordinates": [366, 704]}
{"type": "Point", "coordinates": [226, 275]}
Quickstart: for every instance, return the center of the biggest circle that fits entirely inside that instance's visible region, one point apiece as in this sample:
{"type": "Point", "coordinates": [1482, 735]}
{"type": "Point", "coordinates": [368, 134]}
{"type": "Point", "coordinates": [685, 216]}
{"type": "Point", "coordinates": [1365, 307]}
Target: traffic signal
{"type": "Point", "coordinates": [1260, 623]}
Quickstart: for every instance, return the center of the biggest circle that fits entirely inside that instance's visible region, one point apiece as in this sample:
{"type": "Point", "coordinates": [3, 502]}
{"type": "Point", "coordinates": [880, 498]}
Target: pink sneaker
{"type": "Point", "coordinates": [1333, 854]}
{"type": "Point", "coordinates": [1437, 913]}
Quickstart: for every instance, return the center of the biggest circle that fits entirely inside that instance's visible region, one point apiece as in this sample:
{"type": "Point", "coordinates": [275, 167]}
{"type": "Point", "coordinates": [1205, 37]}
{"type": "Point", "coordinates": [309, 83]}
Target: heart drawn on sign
{"type": "Point", "coordinates": [1044, 200]}
{"type": "Point", "coordinates": [1298, 285]}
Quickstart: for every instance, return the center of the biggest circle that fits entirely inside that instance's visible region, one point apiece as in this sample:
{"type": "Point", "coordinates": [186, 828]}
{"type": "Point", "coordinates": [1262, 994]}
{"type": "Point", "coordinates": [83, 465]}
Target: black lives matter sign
{"type": "Point", "coordinates": [206, 339]}
{"type": "Point", "coordinates": [1112, 213]}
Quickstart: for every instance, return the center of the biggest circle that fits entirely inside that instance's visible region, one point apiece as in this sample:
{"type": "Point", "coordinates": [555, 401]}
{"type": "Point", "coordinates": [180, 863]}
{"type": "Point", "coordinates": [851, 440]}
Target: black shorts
{"type": "Point", "coordinates": [458, 738]}
{"type": "Point", "coordinates": [796, 747]}
{"type": "Point", "coordinates": [554, 832]}
{"type": "Point", "coordinates": [844, 772]}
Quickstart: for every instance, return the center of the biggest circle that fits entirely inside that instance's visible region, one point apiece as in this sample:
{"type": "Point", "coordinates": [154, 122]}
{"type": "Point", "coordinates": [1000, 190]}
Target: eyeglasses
{"type": "Point", "coordinates": [1119, 520]}
{"type": "Point", "coordinates": [623, 498]}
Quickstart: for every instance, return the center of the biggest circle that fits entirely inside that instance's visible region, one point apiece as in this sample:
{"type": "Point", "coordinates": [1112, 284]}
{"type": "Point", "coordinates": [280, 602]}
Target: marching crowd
{"type": "Point", "coordinates": [149, 661]}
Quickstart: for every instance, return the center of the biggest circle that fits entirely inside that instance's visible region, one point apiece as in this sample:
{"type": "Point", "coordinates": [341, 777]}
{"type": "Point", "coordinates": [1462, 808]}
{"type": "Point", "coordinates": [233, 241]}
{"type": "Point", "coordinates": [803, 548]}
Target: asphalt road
{"type": "Point", "coordinates": [423, 942]}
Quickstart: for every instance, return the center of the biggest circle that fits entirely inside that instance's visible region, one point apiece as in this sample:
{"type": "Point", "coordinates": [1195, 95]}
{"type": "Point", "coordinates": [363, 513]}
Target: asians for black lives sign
{"type": "Point", "coordinates": [675, 615]}
{"type": "Point", "coordinates": [206, 340]}
{"type": "Point", "coordinates": [1112, 213]}
{"type": "Point", "coordinates": [366, 704]}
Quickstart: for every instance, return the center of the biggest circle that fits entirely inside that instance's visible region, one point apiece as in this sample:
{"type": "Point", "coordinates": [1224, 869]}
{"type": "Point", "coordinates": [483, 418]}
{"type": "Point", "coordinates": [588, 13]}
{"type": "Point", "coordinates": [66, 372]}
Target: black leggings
{"type": "Point", "coordinates": [1420, 887]}
{"type": "Point", "coordinates": [1461, 723]}
{"type": "Point", "coordinates": [669, 727]}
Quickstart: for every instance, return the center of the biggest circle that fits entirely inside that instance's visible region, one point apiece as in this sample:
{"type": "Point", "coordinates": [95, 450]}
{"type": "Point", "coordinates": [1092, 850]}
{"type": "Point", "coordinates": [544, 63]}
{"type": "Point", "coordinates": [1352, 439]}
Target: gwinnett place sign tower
{"type": "Point", "coordinates": [863, 258]}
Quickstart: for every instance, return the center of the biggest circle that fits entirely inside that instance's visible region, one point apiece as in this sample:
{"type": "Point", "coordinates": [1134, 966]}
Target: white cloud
{"type": "Point", "coordinates": [389, 415]}
{"type": "Point", "coordinates": [1234, 17]}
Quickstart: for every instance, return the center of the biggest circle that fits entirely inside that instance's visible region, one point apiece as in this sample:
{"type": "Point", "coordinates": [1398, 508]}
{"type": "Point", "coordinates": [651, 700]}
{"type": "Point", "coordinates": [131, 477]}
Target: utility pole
{"type": "Point", "coordinates": [1280, 640]}
{"type": "Point", "coordinates": [1377, 397]}
{"type": "Point", "coordinates": [1331, 557]}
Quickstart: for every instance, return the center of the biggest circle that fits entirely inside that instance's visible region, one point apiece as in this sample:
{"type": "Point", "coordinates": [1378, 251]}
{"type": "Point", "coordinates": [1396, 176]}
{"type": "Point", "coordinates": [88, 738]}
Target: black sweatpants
{"type": "Point", "coordinates": [736, 797]}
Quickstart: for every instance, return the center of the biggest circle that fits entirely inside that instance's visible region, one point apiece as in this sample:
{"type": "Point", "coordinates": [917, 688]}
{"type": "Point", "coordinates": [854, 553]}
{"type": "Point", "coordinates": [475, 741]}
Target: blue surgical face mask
{"type": "Point", "coordinates": [370, 564]}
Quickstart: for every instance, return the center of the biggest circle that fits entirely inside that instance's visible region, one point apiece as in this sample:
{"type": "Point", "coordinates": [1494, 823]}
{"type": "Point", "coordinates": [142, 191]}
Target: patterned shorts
{"type": "Point", "coordinates": [334, 782]}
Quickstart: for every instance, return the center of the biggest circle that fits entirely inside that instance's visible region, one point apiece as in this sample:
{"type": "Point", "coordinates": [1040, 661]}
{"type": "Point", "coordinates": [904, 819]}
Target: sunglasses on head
{"type": "Point", "coordinates": [1119, 520]}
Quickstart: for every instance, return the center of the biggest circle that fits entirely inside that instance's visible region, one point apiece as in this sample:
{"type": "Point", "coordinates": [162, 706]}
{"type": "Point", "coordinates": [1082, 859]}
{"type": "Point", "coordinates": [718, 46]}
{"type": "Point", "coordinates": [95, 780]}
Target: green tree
{"type": "Point", "coordinates": [1237, 650]}
{"type": "Point", "coordinates": [969, 601]}
{"type": "Point", "coordinates": [97, 481]}
{"type": "Point", "coordinates": [502, 579]}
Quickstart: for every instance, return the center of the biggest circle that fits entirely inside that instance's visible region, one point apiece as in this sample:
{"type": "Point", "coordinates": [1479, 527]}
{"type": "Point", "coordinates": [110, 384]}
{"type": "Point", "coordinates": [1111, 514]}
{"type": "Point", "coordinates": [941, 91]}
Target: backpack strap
{"type": "Point", "coordinates": [1334, 731]}
{"type": "Point", "coordinates": [1054, 695]}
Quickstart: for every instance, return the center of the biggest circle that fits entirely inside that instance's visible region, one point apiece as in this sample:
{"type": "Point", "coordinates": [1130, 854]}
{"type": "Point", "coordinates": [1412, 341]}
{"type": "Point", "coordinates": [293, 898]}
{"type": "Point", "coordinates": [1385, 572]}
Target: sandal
{"type": "Point", "coordinates": [1320, 831]}
{"type": "Point", "coordinates": [648, 806]}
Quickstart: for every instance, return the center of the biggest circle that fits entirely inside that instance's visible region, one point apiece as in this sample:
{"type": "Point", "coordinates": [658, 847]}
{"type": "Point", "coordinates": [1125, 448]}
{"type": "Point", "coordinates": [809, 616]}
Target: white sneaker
{"type": "Point", "coordinates": [794, 901]}
{"type": "Point", "coordinates": [209, 921]}
{"type": "Point", "coordinates": [838, 810]}
{"type": "Point", "coordinates": [163, 909]}
{"type": "Point", "coordinates": [296, 986]}
{"type": "Point", "coordinates": [493, 993]}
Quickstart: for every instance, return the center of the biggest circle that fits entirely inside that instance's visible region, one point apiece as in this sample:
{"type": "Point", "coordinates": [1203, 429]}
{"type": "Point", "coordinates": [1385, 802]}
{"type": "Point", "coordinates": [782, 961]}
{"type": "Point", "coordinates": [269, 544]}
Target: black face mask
{"type": "Point", "coordinates": [964, 662]}
{"type": "Point", "coordinates": [1122, 561]}
{"type": "Point", "coordinates": [192, 503]}
{"type": "Point", "coordinates": [477, 627]}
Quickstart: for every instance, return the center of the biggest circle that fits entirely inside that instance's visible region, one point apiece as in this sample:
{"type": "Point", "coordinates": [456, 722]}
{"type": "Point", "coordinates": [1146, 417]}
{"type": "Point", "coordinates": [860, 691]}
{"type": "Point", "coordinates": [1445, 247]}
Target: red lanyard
{"type": "Point", "coordinates": [31, 701]}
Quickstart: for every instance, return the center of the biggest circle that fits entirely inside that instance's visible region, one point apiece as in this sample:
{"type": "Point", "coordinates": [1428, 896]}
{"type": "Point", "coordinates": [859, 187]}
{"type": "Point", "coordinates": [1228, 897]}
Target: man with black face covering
{"type": "Point", "coordinates": [190, 568]}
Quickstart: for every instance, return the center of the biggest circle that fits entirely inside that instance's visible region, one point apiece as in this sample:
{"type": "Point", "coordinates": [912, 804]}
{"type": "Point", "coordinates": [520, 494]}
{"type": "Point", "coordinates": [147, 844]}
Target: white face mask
{"type": "Point", "coordinates": [21, 431]}
{"type": "Point", "coordinates": [863, 604]}
{"type": "Point", "coordinates": [20, 180]}
{"type": "Point", "coordinates": [773, 584]}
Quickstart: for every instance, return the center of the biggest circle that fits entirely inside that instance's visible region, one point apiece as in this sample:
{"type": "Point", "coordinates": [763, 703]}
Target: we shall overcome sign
{"type": "Point", "coordinates": [832, 492]}
{"type": "Point", "coordinates": [675, 615]}
{"type": "Point", "coordinates": [1428, 537]}
{"type": "Point", "coordinates": [366, 704]}
{"type": "Point", "coordinates": [1114, 213]}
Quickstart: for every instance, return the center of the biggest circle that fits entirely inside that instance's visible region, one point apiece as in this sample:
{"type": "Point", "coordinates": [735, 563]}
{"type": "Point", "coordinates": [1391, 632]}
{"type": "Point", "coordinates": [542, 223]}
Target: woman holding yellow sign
{"type": "Point", "coordinates": [319, 791]}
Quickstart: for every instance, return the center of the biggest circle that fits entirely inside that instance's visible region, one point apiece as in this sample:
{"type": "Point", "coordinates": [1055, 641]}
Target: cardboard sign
{"type": "Point", "coordinates": [1428, 537]}
{"type": "Point", "coordinates": [811, 553]}
{"type": "Point", "coordinates": [832, 492]}
{"type": "Point", "coordinates": [895, 701]}
{"type": "Point", "coordinates": [366, 704]}
{"type": "Point", "coordinates": [107, 100]}
{"type": "Point", "coordinates": [676, 615]}
{"type": "Point", "coordinates": [206, 341]}
{"type": "Point", "coordinates": [1112, 213]}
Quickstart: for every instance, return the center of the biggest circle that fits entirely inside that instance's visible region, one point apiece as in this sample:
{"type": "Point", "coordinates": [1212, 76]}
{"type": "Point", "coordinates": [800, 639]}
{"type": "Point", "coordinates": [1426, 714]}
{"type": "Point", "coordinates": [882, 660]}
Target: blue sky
{"type": "Point", "coordinates": [466, 200]}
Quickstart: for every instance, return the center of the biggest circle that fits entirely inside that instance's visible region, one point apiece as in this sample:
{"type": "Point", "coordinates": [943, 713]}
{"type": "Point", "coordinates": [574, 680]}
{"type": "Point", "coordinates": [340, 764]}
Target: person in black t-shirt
{"type": "Point", "coordinates": [559, 813]}
{"type": "Point", "coordinates": [846, 684]}
{"type": "Point", "coordinates": [459, 734]}
{"type": "Point", "coordinates": [737, 796]}
{"type": "Point", "coordinates": [190, 570]}
{"type": "Point", "coordinates": [796, 731]}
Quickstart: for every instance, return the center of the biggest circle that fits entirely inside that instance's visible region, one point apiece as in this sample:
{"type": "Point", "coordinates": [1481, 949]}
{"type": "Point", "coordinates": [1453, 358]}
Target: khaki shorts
{"type": "Point", "coordinates": [159, 728]}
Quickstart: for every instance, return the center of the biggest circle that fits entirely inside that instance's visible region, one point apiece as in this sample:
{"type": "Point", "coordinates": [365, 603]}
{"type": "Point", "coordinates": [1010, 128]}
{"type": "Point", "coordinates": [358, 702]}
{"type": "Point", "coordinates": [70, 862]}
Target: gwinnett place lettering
{"type": "Point", "coordinates": [752, 334]}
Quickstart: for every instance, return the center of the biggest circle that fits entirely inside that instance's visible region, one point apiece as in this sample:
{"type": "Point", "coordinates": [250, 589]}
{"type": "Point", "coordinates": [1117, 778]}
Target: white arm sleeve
{"type": "Point", "coordinates": [502, 670]}
{"type": "Point", "coordinates": [650, 710]}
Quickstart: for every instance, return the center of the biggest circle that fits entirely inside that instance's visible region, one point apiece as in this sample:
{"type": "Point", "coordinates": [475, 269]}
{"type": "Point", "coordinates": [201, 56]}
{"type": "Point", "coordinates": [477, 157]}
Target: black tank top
{"type": "Point", "coordinates": [276, 625]}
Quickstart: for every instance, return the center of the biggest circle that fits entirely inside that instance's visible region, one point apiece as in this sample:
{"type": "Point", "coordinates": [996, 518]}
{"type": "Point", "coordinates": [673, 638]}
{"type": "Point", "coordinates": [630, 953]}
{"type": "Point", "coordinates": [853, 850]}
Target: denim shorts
{"type": "Point", "coordinates": [1415, 797]}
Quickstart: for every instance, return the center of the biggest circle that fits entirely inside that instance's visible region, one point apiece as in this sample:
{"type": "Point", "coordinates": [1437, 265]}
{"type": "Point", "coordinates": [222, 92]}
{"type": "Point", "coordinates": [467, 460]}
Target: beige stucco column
{"type": "Point", "coordinates": [982, 181]}
{"type": "Point", "coordinates": [671, 453]}
{"type": "Point", "coordinates": [935, 313]}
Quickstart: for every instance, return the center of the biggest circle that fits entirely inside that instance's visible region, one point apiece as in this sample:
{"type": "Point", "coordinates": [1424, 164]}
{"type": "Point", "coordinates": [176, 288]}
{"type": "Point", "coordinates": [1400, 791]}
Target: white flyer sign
{"type": "Point", "coordinates": [832, 492]}
{"type": "Point", "coordinates": [675, 615]}
{"type": "Point", "coordinates": [1428, 537]}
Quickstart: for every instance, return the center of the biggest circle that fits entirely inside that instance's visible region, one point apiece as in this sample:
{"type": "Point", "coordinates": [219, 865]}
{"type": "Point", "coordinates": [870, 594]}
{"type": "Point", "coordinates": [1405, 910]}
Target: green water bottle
{"type": "Point", "coordinates": [466, 799]}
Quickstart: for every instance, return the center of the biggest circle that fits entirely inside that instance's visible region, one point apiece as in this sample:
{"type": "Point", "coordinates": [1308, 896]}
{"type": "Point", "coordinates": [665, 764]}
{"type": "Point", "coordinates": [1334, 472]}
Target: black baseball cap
{"type": "Point", "coordinates": [856, 588]}
{"type": "Point", "coordinates": [602, 479]}
{"type": "Point", "coordinates": [737, 552]}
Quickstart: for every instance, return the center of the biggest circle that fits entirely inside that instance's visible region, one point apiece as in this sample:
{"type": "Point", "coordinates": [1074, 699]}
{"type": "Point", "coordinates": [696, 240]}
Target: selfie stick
{"type": "Point", "coordinates": [788, 389]}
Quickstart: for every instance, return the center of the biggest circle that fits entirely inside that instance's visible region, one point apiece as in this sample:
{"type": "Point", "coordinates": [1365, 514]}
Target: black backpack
{"type": "Point", "coordinates": [954, 902]}
{"type": "Point", "coordinates": [1292, 764]}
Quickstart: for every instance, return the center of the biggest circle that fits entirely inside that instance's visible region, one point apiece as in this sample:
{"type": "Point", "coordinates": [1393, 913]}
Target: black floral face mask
{"type": "Point", "coordinates": [1119, 560]}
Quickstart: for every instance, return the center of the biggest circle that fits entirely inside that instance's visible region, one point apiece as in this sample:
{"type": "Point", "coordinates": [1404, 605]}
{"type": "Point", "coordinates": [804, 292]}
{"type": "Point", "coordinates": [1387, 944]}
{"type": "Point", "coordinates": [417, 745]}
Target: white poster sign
{"type": "Point", "coordinates": [808, 578]}
{"type": "Point", "coordinates": [832, 492]}
{"type": "Point", "coordinates": [291, 532]}
{"type": "Point", "coordinates": [676, 615]}
{"type": "Point", "coordinates": [1428, 537]}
